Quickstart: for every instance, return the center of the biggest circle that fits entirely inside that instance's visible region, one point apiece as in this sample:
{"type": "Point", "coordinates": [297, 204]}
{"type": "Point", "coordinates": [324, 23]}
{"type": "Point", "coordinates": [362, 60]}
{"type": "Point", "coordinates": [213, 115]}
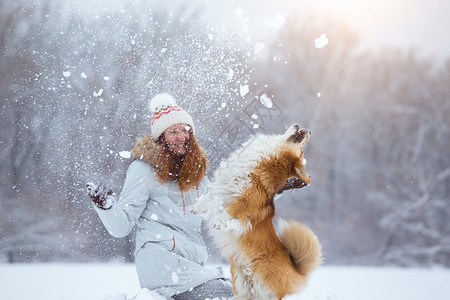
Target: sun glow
{"type": "Point", "coordinates": [402, 23]}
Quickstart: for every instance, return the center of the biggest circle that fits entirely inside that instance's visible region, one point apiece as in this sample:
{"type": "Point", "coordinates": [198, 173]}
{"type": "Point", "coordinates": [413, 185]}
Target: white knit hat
{"type": "Point", "coordinates": [166, 113]}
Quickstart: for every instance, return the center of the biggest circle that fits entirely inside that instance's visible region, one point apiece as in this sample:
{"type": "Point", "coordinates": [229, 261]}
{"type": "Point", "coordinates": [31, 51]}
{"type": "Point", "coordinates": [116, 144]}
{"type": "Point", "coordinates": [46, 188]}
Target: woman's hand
{"type": "Point", "coordinates": [100, 195]}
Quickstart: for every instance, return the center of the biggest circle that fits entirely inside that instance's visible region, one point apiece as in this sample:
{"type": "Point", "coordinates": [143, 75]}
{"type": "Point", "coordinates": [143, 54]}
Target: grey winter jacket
{"type": "Point", "coordinates": [170, 252]}
{"type": "Point", "coordinates": [160, 212]}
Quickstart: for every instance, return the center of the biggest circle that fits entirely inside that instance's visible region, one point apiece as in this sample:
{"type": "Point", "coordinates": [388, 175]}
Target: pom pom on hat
{"type": "Point", "coordinates": [161, 101]}
{"type": "Point", "coordinates": [167, 113]}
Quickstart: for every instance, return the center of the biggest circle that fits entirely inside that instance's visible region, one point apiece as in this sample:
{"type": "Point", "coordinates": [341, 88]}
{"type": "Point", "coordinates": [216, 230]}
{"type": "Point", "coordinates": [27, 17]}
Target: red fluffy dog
{"type": "Point", "coordinates": [240, 209]}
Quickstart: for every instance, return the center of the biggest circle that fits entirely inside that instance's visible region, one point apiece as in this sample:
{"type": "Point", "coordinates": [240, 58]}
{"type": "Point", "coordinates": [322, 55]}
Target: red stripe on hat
{"type": "Point", "coordinates": [158, 115]}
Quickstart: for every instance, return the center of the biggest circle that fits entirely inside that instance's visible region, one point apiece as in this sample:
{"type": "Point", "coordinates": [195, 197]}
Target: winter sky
{"type": "Point", "coordinates": [421, 25]}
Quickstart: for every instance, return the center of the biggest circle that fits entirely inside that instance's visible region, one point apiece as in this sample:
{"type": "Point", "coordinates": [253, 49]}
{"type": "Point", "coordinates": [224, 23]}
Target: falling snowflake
{"type": "Point", "coordinates": [243, 90]}
{"type": "Point", "coordinates": [125, 154]}
{"type": "Point", "coordinates": [266, 101]}
{"type": "Point", "coordinates": [321, 41]}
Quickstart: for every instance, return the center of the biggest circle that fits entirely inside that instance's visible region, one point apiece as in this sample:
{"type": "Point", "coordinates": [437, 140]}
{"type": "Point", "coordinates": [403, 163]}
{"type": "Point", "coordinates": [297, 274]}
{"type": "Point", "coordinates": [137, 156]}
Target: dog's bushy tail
{"type": "Point", "coordinates": [302, 245]}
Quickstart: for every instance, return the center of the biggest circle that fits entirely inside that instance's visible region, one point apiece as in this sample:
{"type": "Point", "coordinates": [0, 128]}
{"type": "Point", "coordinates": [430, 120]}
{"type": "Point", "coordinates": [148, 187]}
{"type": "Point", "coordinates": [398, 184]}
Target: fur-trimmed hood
{"type": "Point", "coordinates": [148, 150]}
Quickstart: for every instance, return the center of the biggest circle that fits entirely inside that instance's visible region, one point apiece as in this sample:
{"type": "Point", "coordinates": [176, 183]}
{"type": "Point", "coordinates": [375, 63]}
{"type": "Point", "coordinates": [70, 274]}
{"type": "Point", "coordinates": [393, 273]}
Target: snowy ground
{"type": "Point", "coordinates": [100, 281]}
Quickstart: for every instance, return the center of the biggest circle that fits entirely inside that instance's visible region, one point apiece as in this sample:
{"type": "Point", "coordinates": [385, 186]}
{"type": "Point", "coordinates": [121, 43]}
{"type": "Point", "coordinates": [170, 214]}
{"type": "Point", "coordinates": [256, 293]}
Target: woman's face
{"type": "Point", "coordinates": [177, 136]}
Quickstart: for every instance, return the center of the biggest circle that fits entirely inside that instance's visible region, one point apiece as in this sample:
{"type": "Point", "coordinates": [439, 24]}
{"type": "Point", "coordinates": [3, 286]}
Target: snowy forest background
{"type": "Point", "coordinates": [75, 80]}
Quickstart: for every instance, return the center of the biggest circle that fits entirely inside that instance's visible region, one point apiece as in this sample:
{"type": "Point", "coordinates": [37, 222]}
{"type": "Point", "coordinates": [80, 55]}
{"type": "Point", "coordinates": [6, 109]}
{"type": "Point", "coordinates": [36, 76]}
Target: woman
{"type": "Point", "coordinates": [166, 177]}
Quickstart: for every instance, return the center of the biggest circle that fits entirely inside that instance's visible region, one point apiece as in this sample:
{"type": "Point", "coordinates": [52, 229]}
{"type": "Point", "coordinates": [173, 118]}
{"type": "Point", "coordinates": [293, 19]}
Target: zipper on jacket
{"type": "Point", "coordinates": [184, 204]}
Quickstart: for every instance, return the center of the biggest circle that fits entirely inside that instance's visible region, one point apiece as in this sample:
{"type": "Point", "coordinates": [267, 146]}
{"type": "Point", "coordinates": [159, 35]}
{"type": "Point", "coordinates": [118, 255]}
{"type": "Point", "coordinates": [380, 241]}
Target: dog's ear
{"type": "Point", "coordinates": [296, 135]}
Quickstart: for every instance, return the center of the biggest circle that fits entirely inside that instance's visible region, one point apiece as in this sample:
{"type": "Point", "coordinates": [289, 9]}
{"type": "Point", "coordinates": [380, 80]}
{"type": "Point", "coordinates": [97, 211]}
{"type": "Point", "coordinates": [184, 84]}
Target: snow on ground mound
{"type": "Point", "coordinates": [143, 294]}
{"type": "Point", "coordinates": [120, 282]}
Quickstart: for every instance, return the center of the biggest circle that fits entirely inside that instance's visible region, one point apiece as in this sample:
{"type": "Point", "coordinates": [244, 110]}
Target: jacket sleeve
{"type": "Point", "coordinates": [139, 185]}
